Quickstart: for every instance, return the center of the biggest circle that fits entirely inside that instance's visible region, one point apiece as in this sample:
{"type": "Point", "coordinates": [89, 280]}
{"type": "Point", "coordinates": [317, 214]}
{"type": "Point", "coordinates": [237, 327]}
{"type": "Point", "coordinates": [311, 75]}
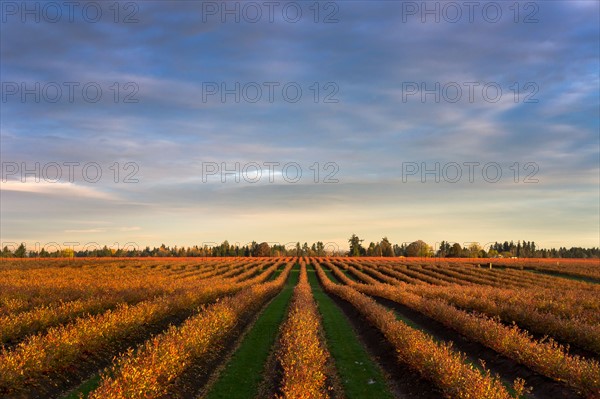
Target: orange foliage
{"type": "Point", "coordinates": [303, 355]}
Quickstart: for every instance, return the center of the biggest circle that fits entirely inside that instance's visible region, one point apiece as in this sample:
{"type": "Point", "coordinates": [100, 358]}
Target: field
{"type": "Point", "coordinates": [299, 327]}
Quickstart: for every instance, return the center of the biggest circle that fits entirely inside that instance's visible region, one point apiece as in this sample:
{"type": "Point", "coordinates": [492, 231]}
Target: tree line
{"type": "Point", "coordinates": [419, 248]}
{"type": "Point", "coordinates": [447, 249]}
{"type": "Point", "coordinates": [224, 249]}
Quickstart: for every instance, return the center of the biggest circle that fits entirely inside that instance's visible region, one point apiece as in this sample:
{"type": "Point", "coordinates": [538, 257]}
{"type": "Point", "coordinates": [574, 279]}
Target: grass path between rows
{"type": "Point", "coordinates": [360, 376]}
{"type": "Point", "coordinates": [551, 273]}
{"type": "Point", "coordinates": [85, 388]}
{"type": "Point", "coordinates": [241, 377]}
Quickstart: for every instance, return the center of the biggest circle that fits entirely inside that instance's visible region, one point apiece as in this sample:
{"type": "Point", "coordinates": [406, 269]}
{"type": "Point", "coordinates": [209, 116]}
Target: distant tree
{"type": "Point", "coordinates": [356, 248]}
{"type": "Point", "coordinates": [492, 253]}
{"type": "Point", "coordinates": [455, 251]}
{"type": "Point", "coordinates": [474, 250]}
{"type": "Point", "coordinates": [444, 249]}
{"type": "Point", "coordinates": [399, 250]}
{"type": "Point", "coordinates": [371, 249]}
{"type": "Point", "coordinates": [225, 248]}
{"type": "Point", "coordinates": [419, 248]}
{"type": "Point", "coordinates": [374, 249]}
{"type": "Point", "coordinates": [6, 253]}
{"type": "Point", "coordinates": [320, 249]}
{"type": "Point", "coordinates": [305, 249]}
{"type": "Point", "coordinates": [21, 252]}
{"type": "Point", "coordinates": [386, 247]}
{"type": "Point", "coordinates": [253, 248]}
{"type": "Point", "coordinates": [67, 253]}
{"type": "Point", "coordinates": [262, 249]}
{"type": "Point", "coordinates": [163, 251]}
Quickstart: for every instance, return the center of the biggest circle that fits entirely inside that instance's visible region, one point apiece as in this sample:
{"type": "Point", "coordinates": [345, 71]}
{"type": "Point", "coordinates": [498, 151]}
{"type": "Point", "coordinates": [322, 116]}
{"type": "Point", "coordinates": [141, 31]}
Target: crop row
{"type": "Point", "coordinates": [303, 354]}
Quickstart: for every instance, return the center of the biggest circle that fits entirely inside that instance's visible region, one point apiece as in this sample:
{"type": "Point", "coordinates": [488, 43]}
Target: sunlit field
{"type": "Point", "coordinates": [299, 327]}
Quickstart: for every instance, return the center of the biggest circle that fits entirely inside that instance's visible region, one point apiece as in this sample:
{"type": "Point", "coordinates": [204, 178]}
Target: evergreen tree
{"type": "Point", "coordinates": [356, 248]}
{"type": "Point", "coordinates": [21, 252]}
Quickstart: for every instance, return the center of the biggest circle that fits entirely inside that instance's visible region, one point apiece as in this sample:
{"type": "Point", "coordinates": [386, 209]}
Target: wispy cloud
{"type": "Point", "coordinates": [86, 231]}
{"type": "Point", "coordinates": [132, 228]}
{"type": "Point", "coordinates": [58, 189]}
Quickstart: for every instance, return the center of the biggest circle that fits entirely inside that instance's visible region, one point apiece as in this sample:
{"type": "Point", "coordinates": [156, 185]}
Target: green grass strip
{"type": "Point", "coordinates": [351, 276]}
{"type": "Point", "coordinates": [361, 377]}
{"type": "Point", "coordinates": [85, 388]}
{"type": "Point", "coordinates": [277, 272]}
{"type": "Point", "coordinates": [331, 276]}
{"type": "Point", "coordinates": [244, 372]}
{"type": "Point", "coordinates": [552, 273]}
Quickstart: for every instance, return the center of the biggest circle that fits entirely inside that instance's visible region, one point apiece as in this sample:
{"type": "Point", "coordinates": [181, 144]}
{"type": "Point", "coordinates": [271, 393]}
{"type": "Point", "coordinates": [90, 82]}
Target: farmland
{"type": "Point", "coordinates": [299, 327]}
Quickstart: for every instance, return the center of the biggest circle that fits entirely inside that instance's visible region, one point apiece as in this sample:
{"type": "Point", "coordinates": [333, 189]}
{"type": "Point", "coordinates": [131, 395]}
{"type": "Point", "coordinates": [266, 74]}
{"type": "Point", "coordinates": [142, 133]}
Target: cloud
{"type": "Point", "coordinates": [369, 132]}
{"type": "Point", "coordinates": [59, 189]}
{"type": "Point", "coordinates": [132, 228]}
{"type": "Point", "coordinates": [86, 231]}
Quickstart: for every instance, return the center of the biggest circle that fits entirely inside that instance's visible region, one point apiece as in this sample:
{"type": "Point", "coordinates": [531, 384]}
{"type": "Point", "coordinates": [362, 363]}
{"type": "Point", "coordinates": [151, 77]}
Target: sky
{"type": "Point", "coordinates": [192, 122]}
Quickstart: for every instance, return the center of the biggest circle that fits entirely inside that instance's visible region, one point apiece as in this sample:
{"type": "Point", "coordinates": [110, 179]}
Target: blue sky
{"type": "Point", "coordinates": [369, 127]}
